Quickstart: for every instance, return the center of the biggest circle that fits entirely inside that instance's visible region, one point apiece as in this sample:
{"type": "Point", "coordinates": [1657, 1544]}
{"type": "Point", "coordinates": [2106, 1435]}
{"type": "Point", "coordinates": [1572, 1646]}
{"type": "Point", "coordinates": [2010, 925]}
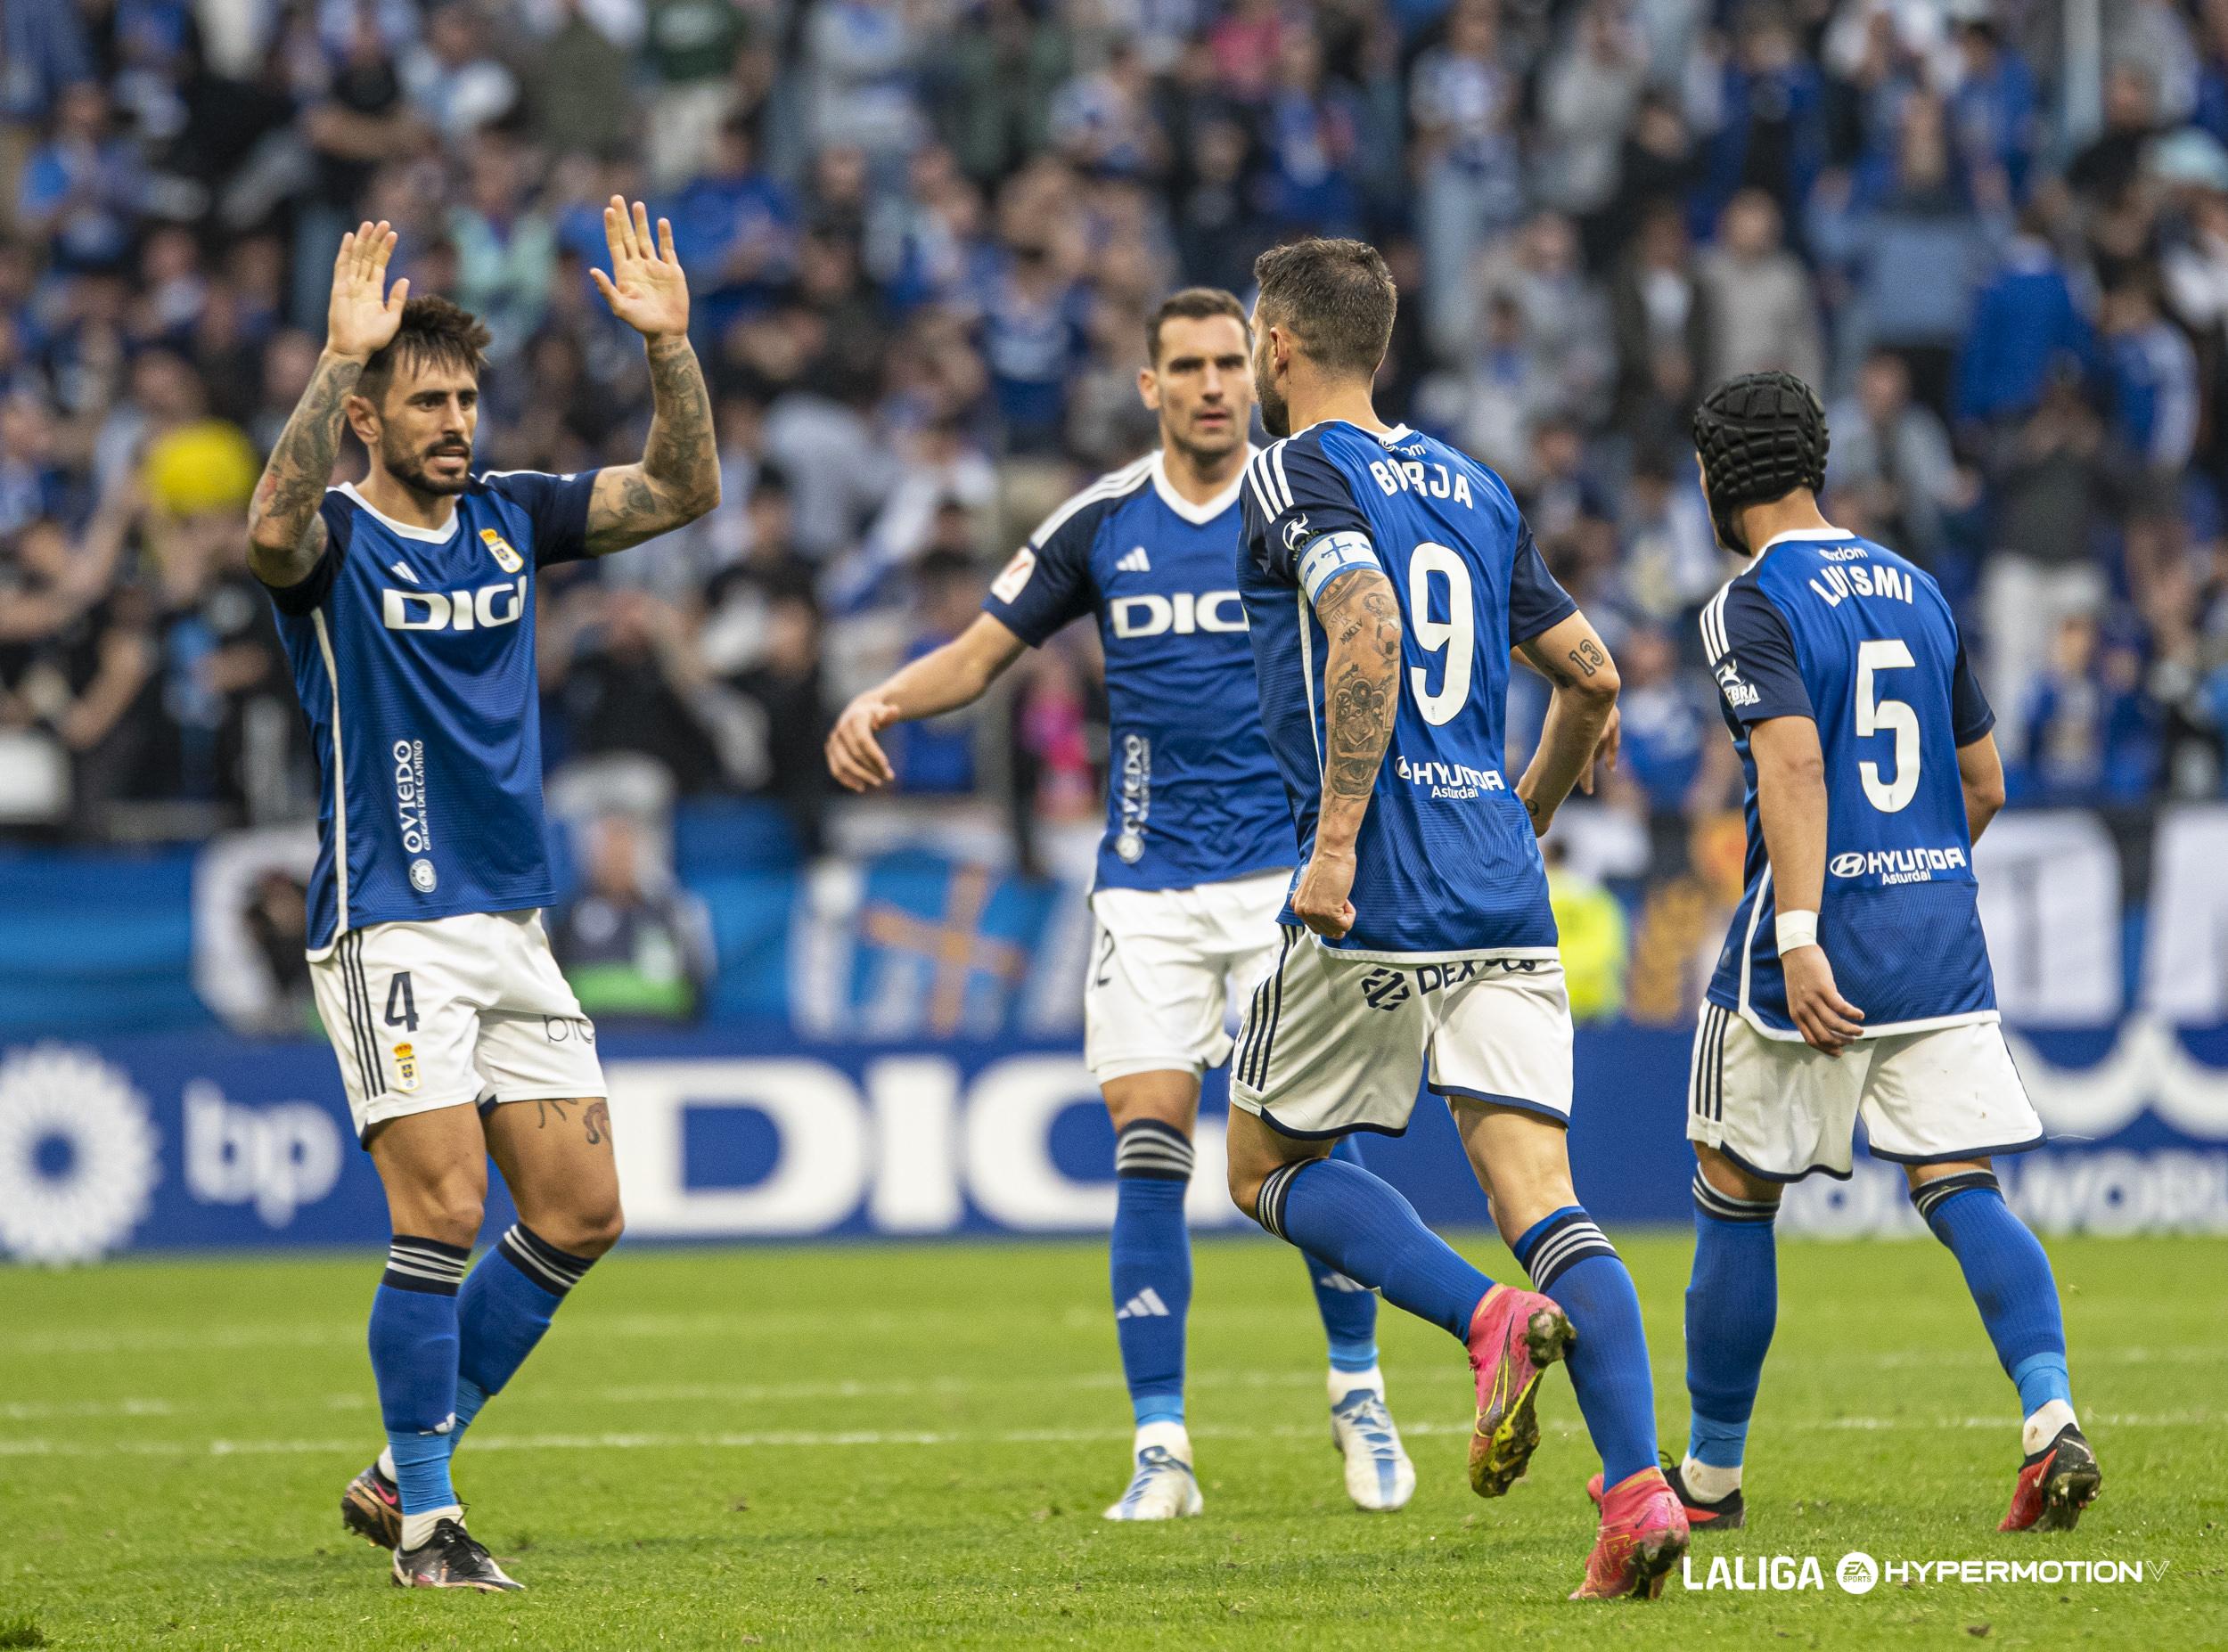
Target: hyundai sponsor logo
{"type": "Point", "coordinates": [1896, 866]}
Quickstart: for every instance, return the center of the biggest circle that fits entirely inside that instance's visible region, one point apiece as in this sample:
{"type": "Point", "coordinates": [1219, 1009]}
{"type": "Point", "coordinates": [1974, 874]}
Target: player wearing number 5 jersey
{"type": "Point", "coordinates": [1387, 578]}
{"type": "Point", "coordinates": [406, 602]}
{"type": "Point", "coordinates": [1854, 981]}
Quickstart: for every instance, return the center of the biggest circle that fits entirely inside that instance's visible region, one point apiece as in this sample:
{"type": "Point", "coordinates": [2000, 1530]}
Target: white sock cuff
{"type": "Point", "coordinates": [387, 1460]}
{"type": "Point", "coordinates": [416, 1528]}
{"type": "Point", "coordinates": [2040, 1429]}
{"type": "Point", "coordinates": [1171, 1436]}
{"type": "Point", "coordinates": [1343, 1383]}
{"type": "Point", "coordinates": [1708, 1482]}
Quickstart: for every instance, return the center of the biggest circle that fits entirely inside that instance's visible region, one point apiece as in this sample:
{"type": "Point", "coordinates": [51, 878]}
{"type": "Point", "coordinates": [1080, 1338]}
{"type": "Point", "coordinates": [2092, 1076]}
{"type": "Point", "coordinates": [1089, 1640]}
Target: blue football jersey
{"type": "Point", "coordinates": [1191, 795]}
{"type": "Point", "coordinates": [1446, 863]}
{"type": "Point", "coordinates": [1826, 626]}
{"type": "Point", "coordinates": [413, 652]}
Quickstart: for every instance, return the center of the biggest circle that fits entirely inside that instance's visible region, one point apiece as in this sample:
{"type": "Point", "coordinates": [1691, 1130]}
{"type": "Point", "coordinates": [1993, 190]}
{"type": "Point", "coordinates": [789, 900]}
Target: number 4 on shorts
{"type": "Point", "coordinates": [398, 993]}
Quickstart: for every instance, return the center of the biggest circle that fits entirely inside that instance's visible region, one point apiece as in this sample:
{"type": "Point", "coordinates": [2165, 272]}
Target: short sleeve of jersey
{"type": "Point", "coordinates": [1971, 715]}
{"type": "Point", "coordinates": [1537, 601]}
{"type": "Point", "coordinates": [557, 506]}
{"type": "Point", "coordinates": [1752, 655]}
{"type": "Point", "coordinates": [1301, 523]}
{"type": "Point", "coordinates": [308, 593]}
{"type": "Point", "coordinates": [1048, 581]}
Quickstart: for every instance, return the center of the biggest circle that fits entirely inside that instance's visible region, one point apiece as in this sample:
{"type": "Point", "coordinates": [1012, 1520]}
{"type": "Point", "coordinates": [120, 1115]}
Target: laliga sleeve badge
{"type": "Point", "coordinates": [509, 560]}
{"type": "Point", "coordinates": [406, 1067]}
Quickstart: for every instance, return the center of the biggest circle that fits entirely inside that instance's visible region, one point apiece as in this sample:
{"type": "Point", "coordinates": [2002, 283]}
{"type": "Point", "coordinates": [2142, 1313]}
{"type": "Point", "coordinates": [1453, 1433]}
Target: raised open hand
{"type": "Point", "coordinates": [363, 316]}
{"type": "Point", "coordinates": [645, 289]}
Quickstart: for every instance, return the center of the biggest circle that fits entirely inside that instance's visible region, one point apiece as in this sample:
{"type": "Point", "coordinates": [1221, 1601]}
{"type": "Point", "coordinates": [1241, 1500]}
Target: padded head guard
{"type": "Point", "coordinates": [1761, 436]}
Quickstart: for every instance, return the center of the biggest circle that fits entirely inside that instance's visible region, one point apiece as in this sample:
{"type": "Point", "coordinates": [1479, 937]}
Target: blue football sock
{"type": "Point", "coordinates": [1366, 1229]}
{"type": "Point", "coordinates": [1571, 1260]}
{"type": "Point", "coordinates": [413, 1362]}
{"type": "Point", "coordinates": [507, 1303]}
{"type": "Point", "coordinates": [1151, 1266]}
{"type": "Point", "coordinates": [2008, 1275]}
{"type": "Point", "coordinates": [1732, 1302]}
{"type": "Point", "coordinates": [1349, 1307]}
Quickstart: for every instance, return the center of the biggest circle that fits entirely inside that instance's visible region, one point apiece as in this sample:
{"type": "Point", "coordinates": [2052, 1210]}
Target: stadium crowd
{"type": "Point", "coordinates": [924, 234]}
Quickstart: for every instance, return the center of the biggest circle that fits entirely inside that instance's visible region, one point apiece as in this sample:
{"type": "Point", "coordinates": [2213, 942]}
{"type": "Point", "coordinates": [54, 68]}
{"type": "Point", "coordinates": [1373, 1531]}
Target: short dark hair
{"type": "Point", "coordinates": [1191, 304]}
{"type": "Point", "coordinates": [434, 333]}
{"type": "Point", "coordinates": [1337, 298]}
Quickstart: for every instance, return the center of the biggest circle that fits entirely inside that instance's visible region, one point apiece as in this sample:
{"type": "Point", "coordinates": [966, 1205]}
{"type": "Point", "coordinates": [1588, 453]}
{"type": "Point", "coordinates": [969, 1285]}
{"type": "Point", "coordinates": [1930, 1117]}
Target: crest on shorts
{"type": "Point", "coordinates": [509, 560]}
{"type": "Point", "coordinates": [405, 1067]}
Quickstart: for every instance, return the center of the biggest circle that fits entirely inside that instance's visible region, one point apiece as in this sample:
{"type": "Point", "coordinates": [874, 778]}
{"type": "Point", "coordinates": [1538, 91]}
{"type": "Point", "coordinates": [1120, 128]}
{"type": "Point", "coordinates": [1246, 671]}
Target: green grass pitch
{"type": "Point", "coordinates": [880, 1446]}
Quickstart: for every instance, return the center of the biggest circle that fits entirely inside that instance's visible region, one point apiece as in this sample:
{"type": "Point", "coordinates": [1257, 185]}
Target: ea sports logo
{"type": "Point", "coordinates": [1857, 1573]}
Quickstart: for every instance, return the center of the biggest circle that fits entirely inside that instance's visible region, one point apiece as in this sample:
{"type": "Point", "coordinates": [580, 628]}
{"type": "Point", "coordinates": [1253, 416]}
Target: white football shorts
{"type": "Point", "coordinates": [1167, 966]}
{"type": "Point", "coordinates": [1334, 1044]}
{"type": "Point", "coordinates": [453, 1013]}
{"type": "Point", "coordinates": [1780, 1109]}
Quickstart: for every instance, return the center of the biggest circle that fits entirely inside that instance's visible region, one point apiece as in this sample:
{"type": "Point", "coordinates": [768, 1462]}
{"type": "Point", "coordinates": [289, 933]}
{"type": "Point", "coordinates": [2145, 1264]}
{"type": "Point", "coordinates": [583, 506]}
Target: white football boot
{"type": "Point", "coordinates": [1164, 1488]}
{"type": "Point", "coordinates": [1378, 1476]}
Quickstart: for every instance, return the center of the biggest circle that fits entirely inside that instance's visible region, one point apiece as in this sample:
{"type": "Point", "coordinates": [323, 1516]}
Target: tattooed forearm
{"type": "Point", "coordinates": [1588, 657]}
{"type": "Point", "coordinates": [678, 478]}
{"type": "Point", "coordinates": [285, 535]}
{"type": "Point", "coordinates": [1361, 692]}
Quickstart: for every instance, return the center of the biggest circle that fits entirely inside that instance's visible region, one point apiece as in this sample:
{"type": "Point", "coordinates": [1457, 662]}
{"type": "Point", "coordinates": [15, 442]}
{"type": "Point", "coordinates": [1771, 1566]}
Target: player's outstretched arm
{"type": "Point", "coordinates": [1361, 695]}
{"type": "Point", "coordinates": [285, 533]}
{"type": "Point", "coordinates": [678, 478]}
{"type": "Point", "coordinates": [1980, 775]}
{"type": "Point", "coordinates": [940, 681]}
{"type": "Point", "coordinates": [1581, 723]}
{"type": "Point", "coordinates": [1791, 793]}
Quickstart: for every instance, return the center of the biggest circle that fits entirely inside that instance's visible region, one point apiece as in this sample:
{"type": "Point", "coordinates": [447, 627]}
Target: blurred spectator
{"type": "Point", "coordinates": [633, 947]}
{"type": "Point", "coordinates": [2026, 322]}
{"type": "Point", "coordinates": [1895, 452]}
{"type": "Point", "coordinates": [1593, 928]}
{"type": "Point", "coordinates": [2086, 736]}
{"type": "Point", "coordinates": [1763, 312]}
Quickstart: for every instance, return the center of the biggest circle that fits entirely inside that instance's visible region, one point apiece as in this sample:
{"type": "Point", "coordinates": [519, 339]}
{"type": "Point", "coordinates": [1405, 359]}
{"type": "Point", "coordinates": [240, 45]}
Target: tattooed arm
{"type": "Point", "coordinates": [678, 478]}
{"type": "Point", "coordinates": [1361, 689]}
{"type": "Point", "coordinates": [1581, 716]}
{"type": "Point", "coordinates": [285, 533]}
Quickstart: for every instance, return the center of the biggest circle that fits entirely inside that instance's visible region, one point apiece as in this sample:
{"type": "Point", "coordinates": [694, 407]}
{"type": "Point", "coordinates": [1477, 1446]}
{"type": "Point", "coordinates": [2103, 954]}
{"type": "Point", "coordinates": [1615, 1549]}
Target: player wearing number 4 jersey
{"type": "Point", "coordinates": [1197, 853]}
{"type": "Point", "coordinates": [1854, 983]}
{"type": "Point", "coordinates": [1386, 577]}
{"type": "Point", "coordinates": [406, 603]}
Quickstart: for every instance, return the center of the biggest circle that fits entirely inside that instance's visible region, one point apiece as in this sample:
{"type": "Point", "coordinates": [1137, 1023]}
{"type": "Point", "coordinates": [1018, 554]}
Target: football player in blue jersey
{"type": "Point", "coordinates": [1854, 981]}
{"type": "Point", "coordinates": [1197, 853]}
{"type": "Point", "coordinates": [406, 604]}
{"type": "Point", "coordinates": [1387, 578]}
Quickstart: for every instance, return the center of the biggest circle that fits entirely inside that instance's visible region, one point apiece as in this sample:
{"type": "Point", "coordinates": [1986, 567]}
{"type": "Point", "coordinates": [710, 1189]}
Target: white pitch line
{"type": "Point", "coordinates": [819, 1440]}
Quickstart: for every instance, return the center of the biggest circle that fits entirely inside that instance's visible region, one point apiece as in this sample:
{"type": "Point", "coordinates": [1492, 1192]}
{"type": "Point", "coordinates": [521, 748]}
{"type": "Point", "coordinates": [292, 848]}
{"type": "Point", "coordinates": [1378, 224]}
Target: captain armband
{"type": "Point", "coordinates": [1331, 554]}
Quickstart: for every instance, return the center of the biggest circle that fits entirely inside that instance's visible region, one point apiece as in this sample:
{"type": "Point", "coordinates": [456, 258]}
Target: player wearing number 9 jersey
{"type": "Point", "coordinates": [1854, 981]}
{"type": "Point", "coordinates": [1385, 578]}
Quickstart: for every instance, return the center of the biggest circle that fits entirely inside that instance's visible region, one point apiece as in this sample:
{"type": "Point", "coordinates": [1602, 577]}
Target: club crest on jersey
{"type": "Point", "coordinates": [509, 560]}
{"type": "Point", "coordinates": [406, 1067]}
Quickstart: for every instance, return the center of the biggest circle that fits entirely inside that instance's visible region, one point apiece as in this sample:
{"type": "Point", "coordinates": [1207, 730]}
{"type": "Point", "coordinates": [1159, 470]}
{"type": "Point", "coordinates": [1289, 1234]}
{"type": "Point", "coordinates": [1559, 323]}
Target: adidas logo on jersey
{"type": "Point", "coordinates": [401, 571]}
{"type": "Point", "coordinates": [1135, 562]}
{"type": "Point", "coordinates": [1146, 1305]}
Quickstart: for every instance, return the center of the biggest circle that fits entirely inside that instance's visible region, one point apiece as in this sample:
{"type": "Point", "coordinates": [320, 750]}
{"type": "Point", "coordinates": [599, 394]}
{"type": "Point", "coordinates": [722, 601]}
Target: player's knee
{"type": "Point", "coordinates": [586, 1226]}
{"type": "Point", "coordinates": [450, 1213]}
{"type": "Point", "coordinates": [1245, 1188]}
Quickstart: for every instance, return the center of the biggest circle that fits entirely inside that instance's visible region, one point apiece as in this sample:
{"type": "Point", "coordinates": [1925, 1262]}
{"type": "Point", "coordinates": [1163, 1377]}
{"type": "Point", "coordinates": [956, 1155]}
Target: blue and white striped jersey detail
{"type": "Point", "coordinates": [1833, 627]}
{"type": "Point", "coordinates": [1192, 792]}
{"type": "Point", "coordinates": [1447, 865]}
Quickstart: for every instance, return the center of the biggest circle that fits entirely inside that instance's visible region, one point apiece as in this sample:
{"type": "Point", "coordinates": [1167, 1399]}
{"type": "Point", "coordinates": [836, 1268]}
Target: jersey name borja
{"type": "Point", "coordinates": [1192, 794]}
{"type": "Point", "coordinates": [412, 651]}
{"type": "Point", "coordinates": [1826, 626]}
{"type": "Point", "coordinates": [1446, 863]}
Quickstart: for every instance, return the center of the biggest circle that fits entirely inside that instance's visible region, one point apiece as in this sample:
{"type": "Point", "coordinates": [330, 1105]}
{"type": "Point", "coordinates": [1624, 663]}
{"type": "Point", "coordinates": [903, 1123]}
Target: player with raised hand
{"type": "Point", "coordinates": [406, 604]}
{"type": "Point", "coordinates": [1192, 869]}
{"type": "Point", "coordinates": [1386, 579]}
{"type": "Point", "coordinates": [1854, 981]}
